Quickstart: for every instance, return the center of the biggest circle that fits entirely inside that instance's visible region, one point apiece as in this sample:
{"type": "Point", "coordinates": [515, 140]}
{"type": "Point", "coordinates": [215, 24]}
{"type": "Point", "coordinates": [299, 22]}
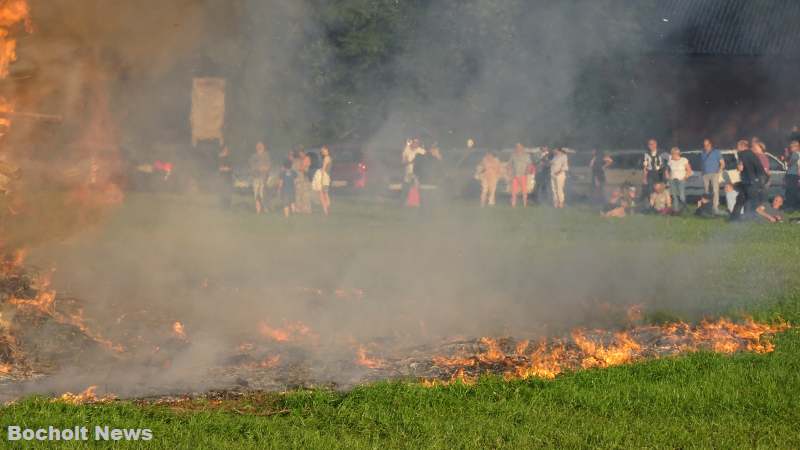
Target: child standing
{"type": "Point", "coordinates": [287, 187]}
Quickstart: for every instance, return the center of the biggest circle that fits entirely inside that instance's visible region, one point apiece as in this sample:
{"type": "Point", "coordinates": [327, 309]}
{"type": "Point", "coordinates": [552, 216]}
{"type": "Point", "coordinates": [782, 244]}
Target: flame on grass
{"type": "Point", "coordinates": [87, 396]}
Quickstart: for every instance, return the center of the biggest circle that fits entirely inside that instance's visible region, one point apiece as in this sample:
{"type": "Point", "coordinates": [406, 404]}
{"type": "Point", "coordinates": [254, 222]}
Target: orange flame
{"type": "Point", "coordinates": [493, 353]}
{"type": "Point", "coordinates": [178, 331]}
{"type": "Point", "coordinates": [87, 396]}
{"type": "Point", "coordinates": [364, 360]}
{"type": "Point", "coordinates": [290, 331]}
{"type": "Point", "coordinates": [593, 349]}
{"type": "Point", "coordinates": [12, 12]}
{"type": "Point", "coordinates": [269, 362]}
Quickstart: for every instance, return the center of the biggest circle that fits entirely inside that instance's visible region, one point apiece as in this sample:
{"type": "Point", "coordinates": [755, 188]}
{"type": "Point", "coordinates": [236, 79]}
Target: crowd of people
{"type": "Point", "coordinates": [665, 176]}
{"type": "Point", "coordinates": [542, 173]}
{"type": "Point", "coordinates": [296, 184]}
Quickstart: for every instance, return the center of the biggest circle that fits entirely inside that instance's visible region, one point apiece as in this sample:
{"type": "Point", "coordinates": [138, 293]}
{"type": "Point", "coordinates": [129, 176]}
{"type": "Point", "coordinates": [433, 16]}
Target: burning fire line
{"type": "Point", "coordinates": [593, 350]}
{"type": "Point", "coordinates": [44, 303]}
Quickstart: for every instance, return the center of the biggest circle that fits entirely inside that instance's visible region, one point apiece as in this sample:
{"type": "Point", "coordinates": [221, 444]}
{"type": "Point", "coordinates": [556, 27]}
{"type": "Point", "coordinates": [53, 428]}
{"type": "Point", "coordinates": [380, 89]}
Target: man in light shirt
{"type": "Point", "coordinates": [410, 153]}
{"type": "Point", "coordinates": [559, 167]}
{"type": "Point", "coordinates": [678, 170]}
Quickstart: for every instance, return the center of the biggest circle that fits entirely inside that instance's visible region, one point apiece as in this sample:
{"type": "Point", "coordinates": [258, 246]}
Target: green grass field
{"type": "Point", "coordinates": [698, 400]}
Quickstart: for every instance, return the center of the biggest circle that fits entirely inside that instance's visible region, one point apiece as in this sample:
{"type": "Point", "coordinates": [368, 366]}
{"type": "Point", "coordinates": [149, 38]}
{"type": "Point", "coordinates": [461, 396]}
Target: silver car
{"type": "Point", "coordinates": [730, 174]}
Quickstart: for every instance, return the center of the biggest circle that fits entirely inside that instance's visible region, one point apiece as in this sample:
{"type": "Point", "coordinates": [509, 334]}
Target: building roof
{"type": "Point", "coordinates": [727, 27]}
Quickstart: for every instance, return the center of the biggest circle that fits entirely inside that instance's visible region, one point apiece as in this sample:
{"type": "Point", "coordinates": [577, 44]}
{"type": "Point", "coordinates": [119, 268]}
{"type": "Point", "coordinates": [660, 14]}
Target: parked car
{"type": "Point", "coordinates": [349, 169]}
{"type": "Point", "coordinates": [626, 168]}
{"type": "Point", "coordinates": [730, 174]}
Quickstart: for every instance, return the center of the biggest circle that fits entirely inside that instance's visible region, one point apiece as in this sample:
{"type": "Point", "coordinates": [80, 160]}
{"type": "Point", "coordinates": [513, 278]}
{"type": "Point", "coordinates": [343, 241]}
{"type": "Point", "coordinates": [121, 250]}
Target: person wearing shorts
{"type": "Point", "coordinates": [519, 163]}
{"type": "Point", "coordinates": [322, 179]}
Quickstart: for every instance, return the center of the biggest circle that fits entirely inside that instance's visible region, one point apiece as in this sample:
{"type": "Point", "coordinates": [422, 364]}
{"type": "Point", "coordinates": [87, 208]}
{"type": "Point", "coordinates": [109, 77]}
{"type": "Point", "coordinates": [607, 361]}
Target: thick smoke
{"type": "Point", "coordinates": [424, 278]}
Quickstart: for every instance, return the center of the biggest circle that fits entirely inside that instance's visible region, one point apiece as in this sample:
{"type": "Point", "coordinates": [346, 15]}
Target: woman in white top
{"type": "Point", "coordinates": [322, 179]}
{"type": "Point", "coordinates": [679, 170]}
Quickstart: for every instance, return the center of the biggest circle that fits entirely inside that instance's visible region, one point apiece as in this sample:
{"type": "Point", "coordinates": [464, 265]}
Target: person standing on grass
{"type": "Point", "coordinates": [598, 165]}
{"type": "Point", "coordinates": [793, 176]}
{"type": "Point", "coordinates": [713, 165]}
{"type": "Point", "coordinates": [519, 164]}
{"type": "Point", "coordinates": [287, 187]}
{"type": "Point", "coordinates": [543, 174]}
{"type": "Point", "coordinates": [322, 179]}
{"type": "Point", "coordinates": [301, 164]}
{"type": "Point", "coordinates": [753, 179]}
{"type": "Point", "coordinates": [758, 149]}
{"type": "Point", "coordinates": [559, 167]}
{"type": "Point", "coordinates": [488, 172]}
{"type": "Point", "coordinates": [225, 174]}
{"type": "Point", "coordinates": [679, 170]}
{"type": "Point", "coordinates": [652, 168]}
{"type": "Point", "coordinates": [410, 153]}
{"type": "Point", "coordinates": [429, 171]}
{"type": "Point", "coordinates": [260, 166]}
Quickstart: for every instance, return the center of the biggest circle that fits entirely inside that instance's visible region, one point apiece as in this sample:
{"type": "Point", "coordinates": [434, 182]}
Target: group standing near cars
{"type": "Point", "coordinates": [665, 178]}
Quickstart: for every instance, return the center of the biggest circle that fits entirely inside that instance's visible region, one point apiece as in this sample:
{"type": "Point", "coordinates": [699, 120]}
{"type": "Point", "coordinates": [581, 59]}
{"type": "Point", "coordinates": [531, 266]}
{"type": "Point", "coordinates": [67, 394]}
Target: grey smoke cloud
{"type": "Point", "coordinates": [433, 277]}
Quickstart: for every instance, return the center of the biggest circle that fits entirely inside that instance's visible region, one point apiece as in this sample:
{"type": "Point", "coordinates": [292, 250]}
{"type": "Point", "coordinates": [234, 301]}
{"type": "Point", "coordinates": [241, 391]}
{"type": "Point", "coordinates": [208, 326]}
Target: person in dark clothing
{"type": "Point", "coordinates": [792, 180]}
{"type": "Point", "coordinates": [598, 165]}
{"type": "Point", "coordinates": [753, 182]}
{"type": "Point", "coordinates": [430, 172]}
{"type": "Point", "coordinates": [653, 168]}
{"type": "Point", "coordinates": [543, 174]}
{"type": "Point", "coordinates": [705, 208]}
{"type": "Point", "coordinates": [225, 174]}
{"type": "Point", "coordinates": [287, 188]}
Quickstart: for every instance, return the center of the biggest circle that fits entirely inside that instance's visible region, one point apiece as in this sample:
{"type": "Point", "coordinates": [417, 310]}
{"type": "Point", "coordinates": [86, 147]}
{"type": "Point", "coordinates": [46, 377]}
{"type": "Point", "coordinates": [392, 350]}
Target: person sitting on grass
{"type": "Point", "coordinates": [287, 188]}
{"type": "Point", "coordinates": [620, 204]}
{"type": "Point", "coordinates": [629, 192]}
{"type": "Point", "coordinates": [660, 200]}
{"type": "Point", "coordinates": [730, 196]}
{"type": "Point", "coordinates": [705, 208]}
{"type": "Point", "coordinates": [614, 201]}
{"type": "Point", "coordinates": [771, 212]}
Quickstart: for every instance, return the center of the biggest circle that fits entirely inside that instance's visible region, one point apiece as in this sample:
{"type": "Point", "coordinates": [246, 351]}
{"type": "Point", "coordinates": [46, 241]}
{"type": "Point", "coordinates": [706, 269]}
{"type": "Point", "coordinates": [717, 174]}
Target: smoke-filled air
{"type": "Point", "coordinates": [266, 195]}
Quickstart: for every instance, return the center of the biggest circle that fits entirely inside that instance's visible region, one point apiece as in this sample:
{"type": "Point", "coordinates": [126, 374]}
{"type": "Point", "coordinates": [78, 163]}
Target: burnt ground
{"type": "Point", "coordinates": [47, 345]}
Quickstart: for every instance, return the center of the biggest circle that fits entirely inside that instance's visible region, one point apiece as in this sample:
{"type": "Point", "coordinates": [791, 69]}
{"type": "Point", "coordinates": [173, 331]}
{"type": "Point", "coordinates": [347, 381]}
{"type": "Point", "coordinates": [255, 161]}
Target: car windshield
{"type": "Point", "coordinates": [581, 159]}
{"type": "Point", "coordinates": [774, 164]}
{"type": "Point", "coordinates": [730, 161]}
{"type": "Point", "coordinates": [346, 156]}
{"type": "Point", "coordinates": [627, 161]}
{"type": "Point", "coordinates": [695, 160]}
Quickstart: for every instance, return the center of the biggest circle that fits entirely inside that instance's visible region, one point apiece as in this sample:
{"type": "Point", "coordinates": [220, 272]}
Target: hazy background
{"type": "Point", "coordinates": [575, 73]}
